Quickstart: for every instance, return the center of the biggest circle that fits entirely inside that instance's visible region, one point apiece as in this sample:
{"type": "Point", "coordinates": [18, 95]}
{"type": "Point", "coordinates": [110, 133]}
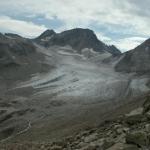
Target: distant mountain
{"type": "Point", "coordinates": [77, 38]}
{"type": "Point", "coordinates": [136, 60]}
{"type": "Point", "coordinates": [12, 35]}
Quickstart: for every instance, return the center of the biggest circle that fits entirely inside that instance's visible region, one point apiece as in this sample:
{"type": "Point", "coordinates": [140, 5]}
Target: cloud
{"type": "Point", "coordinates": [24, 28]}
{"type": "Point", "coordinates": [121, 19]}
{"type": "Point", "coordinates": [128, 43]}
{"type": "Point", "coordinates": [82, 13]}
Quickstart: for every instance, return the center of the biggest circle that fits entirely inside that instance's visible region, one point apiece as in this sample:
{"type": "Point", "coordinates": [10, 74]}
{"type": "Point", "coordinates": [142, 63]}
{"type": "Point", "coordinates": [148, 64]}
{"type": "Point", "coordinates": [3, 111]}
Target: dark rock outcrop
{"type": "Point", "coordinates": [139, 138]}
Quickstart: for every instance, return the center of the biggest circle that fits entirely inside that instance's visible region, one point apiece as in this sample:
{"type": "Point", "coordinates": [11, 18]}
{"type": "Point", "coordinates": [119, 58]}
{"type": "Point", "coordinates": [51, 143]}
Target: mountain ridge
{"type": "Point", "coordinates": [136, 60]}
{"type": "Point", "coordinates": [78, 39]}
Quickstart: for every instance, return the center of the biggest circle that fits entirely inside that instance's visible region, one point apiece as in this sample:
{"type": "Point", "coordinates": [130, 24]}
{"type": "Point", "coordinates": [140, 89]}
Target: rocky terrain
{"type": "Point", "coordinates": [59, 84]}
{"type": "Point", "coordinates": [126, 132]}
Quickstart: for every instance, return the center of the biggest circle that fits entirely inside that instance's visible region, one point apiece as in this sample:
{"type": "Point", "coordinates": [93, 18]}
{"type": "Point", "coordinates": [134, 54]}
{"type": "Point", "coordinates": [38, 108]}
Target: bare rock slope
{"type": "Point", "coordinates": [136, 60]}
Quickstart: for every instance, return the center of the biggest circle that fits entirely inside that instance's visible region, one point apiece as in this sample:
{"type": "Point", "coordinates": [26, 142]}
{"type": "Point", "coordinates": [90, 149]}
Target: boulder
{"type": "Point", "coordinates": [90, 138]}
{"type": "Point", "coordinates": [131, 120]}
{"type": "Point", "coordinates": [101, 144]}
{"type": "Point", "coordinates": [107, 143]}
{"type": "Point", "coordinates": [139, 138]}
{"type": "Point", "coordinates": [134, 116]}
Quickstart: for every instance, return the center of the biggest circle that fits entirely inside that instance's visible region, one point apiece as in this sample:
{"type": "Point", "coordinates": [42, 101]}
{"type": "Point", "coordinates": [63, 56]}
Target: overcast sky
{"type": "Point", "coordinates": [124, 23]}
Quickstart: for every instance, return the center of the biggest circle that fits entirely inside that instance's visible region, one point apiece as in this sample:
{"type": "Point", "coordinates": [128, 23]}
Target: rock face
{"type": "Point", "coordinates": [136, 60]}
{"type": "Point", "coordinates": [78, 39]}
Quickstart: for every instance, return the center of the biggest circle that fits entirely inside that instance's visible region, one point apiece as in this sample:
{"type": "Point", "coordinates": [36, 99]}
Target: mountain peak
{"type": "Point", "coordinates": [47, 33]}
{"type": "Point", "coordinates": [80, 32]}
{"type": "Point", "coordinates": [77, 38]}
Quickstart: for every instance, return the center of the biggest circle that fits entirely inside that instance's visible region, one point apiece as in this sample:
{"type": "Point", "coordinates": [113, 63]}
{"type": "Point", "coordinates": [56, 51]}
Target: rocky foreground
{"type": "Point", "coordinates": [128, 132]}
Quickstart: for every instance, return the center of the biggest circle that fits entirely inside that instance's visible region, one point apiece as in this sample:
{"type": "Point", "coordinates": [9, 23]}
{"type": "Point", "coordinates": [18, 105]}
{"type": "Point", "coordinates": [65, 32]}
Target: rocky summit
{"type": "Point", "coordinates": [78, 39]}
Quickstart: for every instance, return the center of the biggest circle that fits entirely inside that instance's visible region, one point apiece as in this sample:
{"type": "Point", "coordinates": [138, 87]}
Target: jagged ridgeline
{"type": "Point", "coordinates": [77, 38]}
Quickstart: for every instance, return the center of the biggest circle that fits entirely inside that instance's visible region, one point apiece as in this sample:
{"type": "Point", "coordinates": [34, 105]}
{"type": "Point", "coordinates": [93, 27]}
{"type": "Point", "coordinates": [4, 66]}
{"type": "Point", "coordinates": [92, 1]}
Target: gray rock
{"type": "Point", "coordinates": [90, 138]}
{"type": "Point", "coordinates": [147, 128]}
{"type": "Point", "coordinates": [107, 143]}
{"type": "Point", "coordinates": [134, 116]}
{"type": "Point", "coordinates": [56, 147]}
{"type": "Point", "coordinates": [133, 119]}
{"type": "Point", "coordinates": [139, 138]}
{"type": "Point", "coordinates": [121, 146]}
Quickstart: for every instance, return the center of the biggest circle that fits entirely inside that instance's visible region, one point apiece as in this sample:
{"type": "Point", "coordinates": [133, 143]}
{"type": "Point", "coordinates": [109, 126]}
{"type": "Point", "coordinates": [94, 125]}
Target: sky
{"type": "Point", "coordinates": [124, 23]}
